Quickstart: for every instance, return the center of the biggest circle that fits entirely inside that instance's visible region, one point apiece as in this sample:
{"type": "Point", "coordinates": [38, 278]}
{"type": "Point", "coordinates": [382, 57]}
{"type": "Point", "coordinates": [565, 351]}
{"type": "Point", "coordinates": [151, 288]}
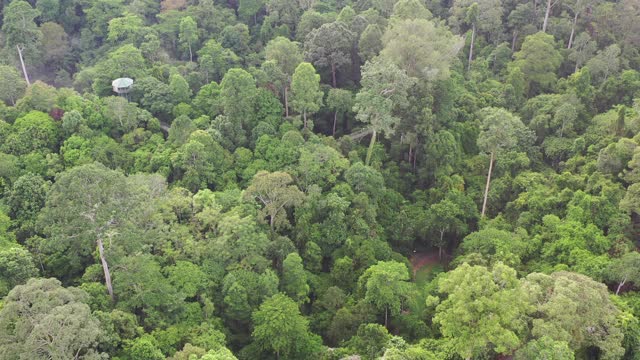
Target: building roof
{"type": "Point", "coordinates": [122, 83]}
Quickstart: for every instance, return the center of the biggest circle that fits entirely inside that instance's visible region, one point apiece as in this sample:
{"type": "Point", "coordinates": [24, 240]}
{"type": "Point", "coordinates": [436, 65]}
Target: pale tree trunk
{"type": "Point", "coordinates": [335, 120]}
{"type": "Point", "coordinates": [546, 15]}
{"type": "Point", "coordinates": [386, 317]}
{"type": "Point", "coordinates": [333, 75]}
{"type": "Point", "coordinates": [440, 247]}
{"type": "Point", "coordinates": [514, 39]}
{"type": "Point", "coordinates": [190, 53]}
{"type": "Point", "coordinates": [367, 161]}
{"type": "Point", "coordinates": [105, 268]}
{"type": "Point", "coordinates": [621, 285]}
{"type": "Point", "coordinates": [573, 30]}
{"type": "Point", "coordinates": [473, 38]}
{"type": "Point", "coordinates": [286, 101]}
{"type": "Point", "coordinates": [486, 189]}
{"type": "Point", "coordinates": [415, 157]}
{"type": "Point", "coordinates": [24, 68]}
{"type": "Point", "coordinates": [304, 115]}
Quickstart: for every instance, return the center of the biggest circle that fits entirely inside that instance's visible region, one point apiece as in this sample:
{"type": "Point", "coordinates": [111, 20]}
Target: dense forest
{"type": "Point", "coordinates": [320, 179]}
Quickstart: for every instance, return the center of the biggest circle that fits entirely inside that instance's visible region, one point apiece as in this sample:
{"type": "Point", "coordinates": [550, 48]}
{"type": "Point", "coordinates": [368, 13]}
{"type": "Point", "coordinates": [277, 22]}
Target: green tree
{"type": "Point", "coordinates": [421, 48]}
{"type": "Point", "coordinates": [370, 42]}
{"type": "Point", "coordinates": [306, 96]}
{"type": "Point", "coordinates": [215, 61]}
{"type": "Point", "coordinates": [35, 131]}
{"type": "Point", "coordinates": [279, 327]}
{"type": "Point", "coordinates": [286, 55]}
{"type": "Point", "coordinates": [43, 320]}
{"type": "Point", "coordinates": [16, 266]}
{"type": "Point", "coordinates": [294, 278]}
{"type": "Point", "coordinates": [483, 308]}
{"type": "Point", "coordinates": [188, 34]}
{"type": "Point", "coordinates": [384, 89]}
{"type": "Point", "coordinates": [386, 285]}
{"type": "Point", "coordinates": [626, 268]}
{"type": "Point", "coordinates": [12, 86]}
{"type": "Point", "coordinates": [499, 131]}
{"type": "Point", "coordinates": [576, 309]}
{"type": "Point", "coordinates": [21, 32]}
{"type": "Point", "coordinates": [330, 45]}
{"type": "Point", "coordinates": [237, 94]}
{"type": "Point", "coordinates": [276, 193]}
{"type": "Point", "coordinates": [545, 348]}
{"type": "Point", "coordinates": [340, 101]}
{"type": "Point", "coordinates": [180, 88]}
{"type": "Point", "coordinates": [80, 223]}
{"type": "Point", "coordinates": [539, 61]}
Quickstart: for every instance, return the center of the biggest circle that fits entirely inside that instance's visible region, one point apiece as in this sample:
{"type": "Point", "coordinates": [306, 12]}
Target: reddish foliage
{"type": "Point", "coordinates": [56, 114]}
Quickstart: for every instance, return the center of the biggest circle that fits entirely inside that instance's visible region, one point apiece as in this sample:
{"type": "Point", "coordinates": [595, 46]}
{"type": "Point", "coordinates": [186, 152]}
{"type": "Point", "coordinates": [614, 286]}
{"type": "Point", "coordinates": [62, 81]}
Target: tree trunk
{"type": "Point", "coordinates": [486, 189]}
{"type": "Point", "coordinates": [440, 247]}
{"type": "Point", "coordinates": [386, 322]}
{"type": "Point", "coordinates": [335, 120]}
{"type": "Point", "coordinates": [272, 220]}
{"type": "Point", "coordinates": [415, 157]}
{"type": "Point", "coordinates": [546, 16]}
{"type": "Point", "coordinates": [24, 68]}
{"type": "Point", "coordinates": [286, 101]}
{"type": "Point", "coordinates": [333, 74]}
{"type": "Point", "coordinates": [473, 38]}
{"type": "Point", "coordinates": [190, 53]}
{"type": "Point", "coordinates": [573, 30]}
{"type": "Point", "coordinates": [370, 150]}
{"type": "Point", "coordinates": [621, 285]}
{"type": "Point", "coordinates": [304, 116]}
{"type": "Point", "coordinates": [513, 40]}
{"type": "Point", "coordinates": [105, 268]}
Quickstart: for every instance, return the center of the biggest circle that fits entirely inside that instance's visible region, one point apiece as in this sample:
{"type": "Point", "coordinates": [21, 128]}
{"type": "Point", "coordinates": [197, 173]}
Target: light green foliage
{"type": "Point", "coordinates": [47, 321]}
{"type": "Point", "coordinates": [306, 96]}
{"type": "Point", "coordinates": [384, 90]}
{"type": "Point", "coordinates": [575, 309]}
{"type": "Point", "coordinates": [188, 34]}
{"type": "Point", "coordinates": [539, 61]}
{"type": "Point", "coordinates": [275, 193]}
{"type": "Point", "coordinates": [19, 27]}
{"type": "Point", "coordinates": [279, 327]}
{"type": "Point", "coordinates": [294, 278]}
{"type": "Point", "coordinates": [421, 48]}
{"type": "Point", "coordinates": [215, 61]}
{"type": "Point", "coordinates": [545, 348]}
{"type": "Point", "coordinates": [12, 85]}
{"type": "Point", "coordinates": [180, 88]}
{"type": "Point", "coordinates": [497, 246]}
{"type": "Point", "coordinates": [385, 285]}
{"type": "Point", "coordinates": [16, 267]}
{"type": "Point", "coordinates": [35, 131]}
{"type": "Point", "coordinates": [484, 308]}
{"type": "Point", "coordinates": [126, 29]}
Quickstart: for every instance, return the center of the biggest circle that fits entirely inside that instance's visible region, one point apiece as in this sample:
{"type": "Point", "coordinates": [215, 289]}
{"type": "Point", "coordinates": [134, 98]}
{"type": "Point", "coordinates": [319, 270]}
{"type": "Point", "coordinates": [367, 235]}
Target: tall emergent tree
{"type": "Point", "coordinates": [306, 96]}
{"type": "Point", "coordinates": [287, 57]}
{"type": "Point", "coordinates": [330, 45]}
{"type": "Point", "coordinates": [484, 308]}
{"type": "Point", "coordinates": [276, 193]}
{"type": "Point", "coordinates": [90, 207]}
{"type": "Point", "coordinates": [499, 131]}
{"type": "Point", "coordinates": [43, 320]}
{"type": "Point", "coordinates": [386, 284]}
{"type": "Point", "coordinates": [20, 30]}
{"type": "Point", "coordinates": [384, 89]}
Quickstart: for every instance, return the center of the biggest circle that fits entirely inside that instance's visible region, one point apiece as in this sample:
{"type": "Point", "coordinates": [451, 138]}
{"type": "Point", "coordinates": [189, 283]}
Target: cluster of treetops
{"type": "Point", "coordinates": [258, 193]}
